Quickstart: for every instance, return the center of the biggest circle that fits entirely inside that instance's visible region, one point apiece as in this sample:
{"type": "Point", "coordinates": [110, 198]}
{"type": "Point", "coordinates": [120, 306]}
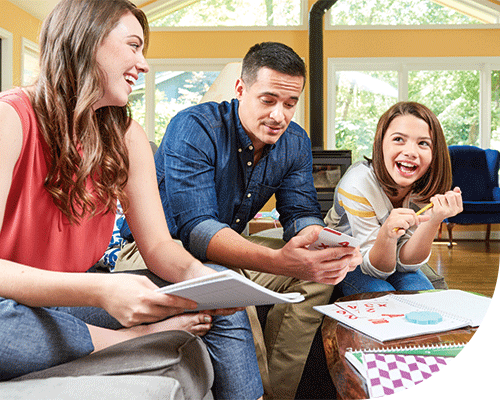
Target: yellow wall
{"type": "Point", "coordinates": [20, 24]}
{"type": "Point", "coordinates": [413, 43]}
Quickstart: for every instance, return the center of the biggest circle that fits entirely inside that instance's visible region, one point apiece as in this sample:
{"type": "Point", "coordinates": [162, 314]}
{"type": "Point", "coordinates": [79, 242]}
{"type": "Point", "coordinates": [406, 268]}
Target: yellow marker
{"type": "Point", "coordinates": [423, 209]}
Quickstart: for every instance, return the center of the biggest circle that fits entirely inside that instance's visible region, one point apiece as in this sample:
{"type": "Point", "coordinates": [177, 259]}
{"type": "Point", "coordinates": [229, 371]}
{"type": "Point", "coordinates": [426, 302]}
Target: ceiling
{"type": "Point", "coordinates": [41, 8]}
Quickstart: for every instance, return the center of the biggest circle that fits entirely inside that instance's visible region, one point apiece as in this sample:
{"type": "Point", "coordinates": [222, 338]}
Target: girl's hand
{"type": "Point", "coordinates": [399, 220]}
{"type": "Point", "coordinates": [446, 205]}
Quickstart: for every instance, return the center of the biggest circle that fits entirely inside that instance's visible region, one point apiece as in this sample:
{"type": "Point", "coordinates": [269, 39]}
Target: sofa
{"type": "Point", "coordinates": [167, 365]}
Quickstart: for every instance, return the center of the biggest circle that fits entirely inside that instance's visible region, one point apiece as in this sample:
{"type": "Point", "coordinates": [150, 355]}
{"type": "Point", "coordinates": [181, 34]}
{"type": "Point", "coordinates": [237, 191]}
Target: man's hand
{"type": "Point", "coordinates": [328, 266]}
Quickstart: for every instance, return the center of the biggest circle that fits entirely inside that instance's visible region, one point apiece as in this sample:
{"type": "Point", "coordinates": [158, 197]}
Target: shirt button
{"type": "Point", "coordinates": [240, 150]}
{"type": "Point", "coordinates": [249, 195]}
{"type": "Point", "coordinates": [249, 163]}
{"type": "Point", "coordinates": [238, 220]}
{"type": "Point", "coordinates": [250, 148]}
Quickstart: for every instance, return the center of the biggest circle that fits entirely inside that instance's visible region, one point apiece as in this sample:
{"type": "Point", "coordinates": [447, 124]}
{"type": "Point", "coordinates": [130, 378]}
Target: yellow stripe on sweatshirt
{"type": "Point", "coordinates": [357, 199]}
{"type": "Point", "coordinates": [357, 213]}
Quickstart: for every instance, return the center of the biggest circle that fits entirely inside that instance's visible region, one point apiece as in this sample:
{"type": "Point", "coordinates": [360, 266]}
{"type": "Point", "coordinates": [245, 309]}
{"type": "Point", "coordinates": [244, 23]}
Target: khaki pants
{"type": "Point", "coordinates": [289, 329]}
{"type": "Point", "coordinates": [282, 348]}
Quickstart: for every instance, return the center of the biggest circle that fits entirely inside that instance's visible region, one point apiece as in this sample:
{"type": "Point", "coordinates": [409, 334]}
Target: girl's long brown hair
{"type": "Point", "coordinates": [87, 157]}
{"type": "Point", "coordinates": [437, 179]}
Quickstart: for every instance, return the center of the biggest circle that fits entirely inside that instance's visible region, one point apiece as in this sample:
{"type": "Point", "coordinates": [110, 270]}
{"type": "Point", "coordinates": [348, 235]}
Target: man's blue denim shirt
{"type": "Point", "coordinates": [208, 180]}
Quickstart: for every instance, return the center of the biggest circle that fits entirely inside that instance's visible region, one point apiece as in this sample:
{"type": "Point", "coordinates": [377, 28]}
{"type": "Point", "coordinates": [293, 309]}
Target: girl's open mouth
{"type": "Point", "coordinates": [406, 168]}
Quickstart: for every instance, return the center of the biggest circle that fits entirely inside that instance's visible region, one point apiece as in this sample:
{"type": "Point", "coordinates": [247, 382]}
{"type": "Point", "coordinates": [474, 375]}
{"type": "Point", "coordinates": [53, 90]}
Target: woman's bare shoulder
{"type": "Point", "coordinates": [11, 133]}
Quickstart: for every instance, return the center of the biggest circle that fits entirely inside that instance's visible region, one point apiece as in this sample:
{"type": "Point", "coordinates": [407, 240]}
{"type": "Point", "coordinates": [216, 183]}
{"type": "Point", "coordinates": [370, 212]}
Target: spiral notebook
{"type": "Point", "coordinates": [446, 350]}
{"type": "Point", "coordinates": [383, 318]}
{"type": "Point", "coordinates": [391, 373]}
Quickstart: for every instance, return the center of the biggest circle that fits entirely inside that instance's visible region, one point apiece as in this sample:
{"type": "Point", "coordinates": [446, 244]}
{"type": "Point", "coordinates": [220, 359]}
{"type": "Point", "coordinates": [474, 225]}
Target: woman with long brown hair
{"type": "Point", "coordinates": [69, 151]}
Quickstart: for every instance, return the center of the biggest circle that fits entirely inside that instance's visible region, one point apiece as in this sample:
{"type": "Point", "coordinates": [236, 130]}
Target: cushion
{"type": "Point", "coordinates": [474, 218]}
{"type": "Point", "coordinates": [481, 207]}
{"type": "Point", "coordinates": [117, 242]}
{"type": "Point", "coordinates": [471, 173]}
{"type": "Point", "coordinates": [175, 354]}
{"type": "Point", "coordinates": [130, 387]}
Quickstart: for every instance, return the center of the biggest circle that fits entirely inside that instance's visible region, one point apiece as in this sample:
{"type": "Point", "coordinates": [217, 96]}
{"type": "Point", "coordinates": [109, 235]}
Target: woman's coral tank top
{"type": "Point", "coordinates": [35, 232]}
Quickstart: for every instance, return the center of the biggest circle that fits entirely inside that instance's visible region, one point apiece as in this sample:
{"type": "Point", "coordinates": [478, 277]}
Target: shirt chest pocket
{"type": "Point", "coordinates": [264, 193]}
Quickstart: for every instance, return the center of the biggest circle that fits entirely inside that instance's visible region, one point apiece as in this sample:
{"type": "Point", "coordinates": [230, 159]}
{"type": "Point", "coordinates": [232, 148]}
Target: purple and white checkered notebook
{"type": "Point", "coordinates": [390, 373]}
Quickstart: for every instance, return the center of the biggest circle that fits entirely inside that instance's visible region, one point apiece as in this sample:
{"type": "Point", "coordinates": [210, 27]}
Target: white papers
{"type": "Point", "coordinates": [227, 289]}
{"type": "Point", "coordinates": [465, 305]}
{"type": "Point", "coordinates": [383, 318]}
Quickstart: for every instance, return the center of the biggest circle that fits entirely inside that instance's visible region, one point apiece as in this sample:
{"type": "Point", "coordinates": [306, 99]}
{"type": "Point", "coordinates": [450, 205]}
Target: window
{"type": "Point", "coordinates": [174, 90]}
{"type": "Point", "coordinates": [228, 13]}
{"type": "Point", "coordinates": [170, 86]}
{"type": "Point", "coordinates": [6, 59]}
{"type": "Point", "coordinates": [456, 90]}
{"type": "Point", "coordinates": [362, 97]}
{"type": "Point", "coordinates": [30, 56]}
{"type": "Point", "coordinates": [454, 97]}
{"type": "Point", "coordinates": [412, 12]}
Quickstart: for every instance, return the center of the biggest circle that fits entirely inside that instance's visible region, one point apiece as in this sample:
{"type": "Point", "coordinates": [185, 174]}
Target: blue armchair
{"type": "Point", "coordinates": [475, 172]}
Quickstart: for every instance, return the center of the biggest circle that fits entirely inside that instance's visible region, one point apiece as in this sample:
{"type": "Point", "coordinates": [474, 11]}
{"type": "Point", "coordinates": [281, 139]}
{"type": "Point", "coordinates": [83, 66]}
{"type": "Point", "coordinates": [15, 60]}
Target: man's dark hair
{"type": "Point", "coordinates": [276, 56]}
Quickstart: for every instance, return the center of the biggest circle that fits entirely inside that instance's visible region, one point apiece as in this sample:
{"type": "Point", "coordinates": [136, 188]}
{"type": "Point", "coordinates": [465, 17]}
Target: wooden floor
{"type": "Point", "coordinates": [468, 265]}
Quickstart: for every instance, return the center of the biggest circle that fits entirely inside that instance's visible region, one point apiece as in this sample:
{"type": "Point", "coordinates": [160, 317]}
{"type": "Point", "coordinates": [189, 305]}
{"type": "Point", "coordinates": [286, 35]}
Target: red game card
{"type": "Point", "coordinates": [331, 238]}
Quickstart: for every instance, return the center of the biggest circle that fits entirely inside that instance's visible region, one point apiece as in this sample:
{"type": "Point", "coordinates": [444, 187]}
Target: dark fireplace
{"type": "Point", "coordinates": [328, 167]}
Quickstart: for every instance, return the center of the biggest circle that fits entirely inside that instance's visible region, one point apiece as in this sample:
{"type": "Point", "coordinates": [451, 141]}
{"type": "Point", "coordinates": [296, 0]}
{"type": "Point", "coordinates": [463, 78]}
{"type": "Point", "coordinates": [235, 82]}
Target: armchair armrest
{"type": "Point", "coordinates": [496, 194]}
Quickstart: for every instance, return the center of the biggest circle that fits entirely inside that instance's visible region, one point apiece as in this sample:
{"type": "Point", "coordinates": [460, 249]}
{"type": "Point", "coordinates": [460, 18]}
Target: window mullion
{"type": "Point", "coordinates": [150, 104]}
{"type": "Point", "coordinates": [403, 83]}
{"type": "Point", "coordinates": [485, 106]}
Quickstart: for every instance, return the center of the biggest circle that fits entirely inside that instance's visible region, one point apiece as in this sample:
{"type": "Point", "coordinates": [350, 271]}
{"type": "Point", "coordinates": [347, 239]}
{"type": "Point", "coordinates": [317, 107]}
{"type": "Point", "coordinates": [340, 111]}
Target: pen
{"type": "Point", "coordinates": [423, 209]}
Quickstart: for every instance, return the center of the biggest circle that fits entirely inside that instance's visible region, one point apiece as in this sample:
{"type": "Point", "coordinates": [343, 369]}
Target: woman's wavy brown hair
{"type": "Point", "coordinates": [437, 179]}
{"type": "Point", "coordinates": [87, 157]}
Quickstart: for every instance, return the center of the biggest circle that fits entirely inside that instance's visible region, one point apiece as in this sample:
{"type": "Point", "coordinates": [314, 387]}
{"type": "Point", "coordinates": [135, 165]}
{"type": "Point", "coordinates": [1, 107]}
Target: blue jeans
{"type": "Point", "coordinates": [38, 338]}
{"type": "Point", "coordinates": [357, 282]}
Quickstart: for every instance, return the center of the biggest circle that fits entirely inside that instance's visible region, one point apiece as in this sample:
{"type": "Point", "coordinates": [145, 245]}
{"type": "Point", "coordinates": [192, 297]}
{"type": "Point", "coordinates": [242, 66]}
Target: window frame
{"type": "Point", "coordinates": [402, 65]}
{"type": "Point", "coordinates": [7, 59]}
{"type": "Point", "coordinates": [496, 25]}
{"type": "Point", "coordinates": [304, 14]}
{"type": "Point", "coordinates": [27, 46]}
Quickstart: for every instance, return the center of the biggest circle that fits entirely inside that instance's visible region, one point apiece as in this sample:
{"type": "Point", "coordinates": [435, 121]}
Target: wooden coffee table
{"type": "Point", "coordinates": [338, 337]}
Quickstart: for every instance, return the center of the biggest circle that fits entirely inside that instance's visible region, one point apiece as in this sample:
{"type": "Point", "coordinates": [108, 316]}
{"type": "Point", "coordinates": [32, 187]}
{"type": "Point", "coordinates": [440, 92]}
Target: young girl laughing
{"type": "Point", "coordinates": [376, 201]}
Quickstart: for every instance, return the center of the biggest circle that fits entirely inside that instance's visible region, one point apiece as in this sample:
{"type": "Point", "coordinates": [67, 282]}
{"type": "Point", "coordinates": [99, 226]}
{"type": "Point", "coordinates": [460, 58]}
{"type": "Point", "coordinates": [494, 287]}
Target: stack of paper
{"type": "Point", "coordinates": [228, 289]}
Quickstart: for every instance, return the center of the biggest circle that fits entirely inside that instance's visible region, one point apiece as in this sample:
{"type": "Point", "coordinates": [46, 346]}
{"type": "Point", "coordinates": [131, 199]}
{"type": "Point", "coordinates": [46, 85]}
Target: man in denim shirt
{"type": "Point", "coordinates": [217, 166]}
